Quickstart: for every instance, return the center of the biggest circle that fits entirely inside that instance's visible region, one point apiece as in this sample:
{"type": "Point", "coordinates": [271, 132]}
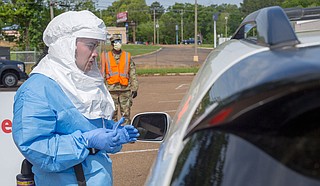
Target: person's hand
{"type": "Point", "coordinates": [115, 149]}
{"type": "Point", "coordinates": [118, 123]}
{"type": "Point", "coordinates": [128, 133]}
{"type": "Point", "coordinates": [102, 139]}
{"type": "Point", "coordinates": [134, 94]}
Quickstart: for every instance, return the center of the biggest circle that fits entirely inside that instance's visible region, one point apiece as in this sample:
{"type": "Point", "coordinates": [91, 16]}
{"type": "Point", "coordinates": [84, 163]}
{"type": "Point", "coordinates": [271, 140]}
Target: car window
{"type": "Point", "coordinates": [250, 31]}
{"type": "Point", "coordinates": [213, 157]}
{"type": "Point", "coordinates": [221, 89]}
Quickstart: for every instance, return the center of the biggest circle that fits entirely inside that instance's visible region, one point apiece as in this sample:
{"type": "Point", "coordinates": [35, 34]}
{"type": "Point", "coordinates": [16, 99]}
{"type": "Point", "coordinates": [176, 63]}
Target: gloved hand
{"type": "Point", "coordinates": [118, 123]}
{"type": "Point", "coordinates": [118, 147]}
{"type": "Point", "coordinates": [109, 124]}
{"type": "Point", "coordinates": [128, 133]}
{"type": "Point", "coordinates": [134, 94]}
{"type": "Point", "coordinates": [115, 149]}
{"type": "Point", "coordinates": [102, 139]}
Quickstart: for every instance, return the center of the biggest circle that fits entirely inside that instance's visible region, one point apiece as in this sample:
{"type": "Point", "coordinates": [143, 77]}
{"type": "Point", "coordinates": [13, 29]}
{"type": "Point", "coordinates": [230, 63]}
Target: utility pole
{"type": "Point", "coordinates": [195, 57]}
{"type": "Point", "coordinates": [177, 34]}
{"type": "Point", "coordinates": [51, 9]}
{"type": "Point", "coordinates": [215, 18]}
{"type": "Point", "coordinates": [157, 26]}
{"type": "Point", "coordinates": [154, 26]}
{"type": "Point", "coordinates": [226, 26]}
{"type": "Point", "coordinates": [181, 25]}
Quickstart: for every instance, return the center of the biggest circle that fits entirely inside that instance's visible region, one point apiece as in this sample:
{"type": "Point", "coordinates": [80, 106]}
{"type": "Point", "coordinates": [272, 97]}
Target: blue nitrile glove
{"type": "Point", "coordinates": [109, 124]}
{"type": "Point", "coordinates": [117, 124]}
{"type": "Point", "coordinates": [115, 149]}
{"type": "Point", "coordinates": [101, 139]}
{"type": "Point", "coordinates": [128, 133]}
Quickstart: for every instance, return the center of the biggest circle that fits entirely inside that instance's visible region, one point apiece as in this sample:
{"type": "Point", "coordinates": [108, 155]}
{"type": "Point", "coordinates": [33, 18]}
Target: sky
{"type": "Point", "coordinates": [165, 3]}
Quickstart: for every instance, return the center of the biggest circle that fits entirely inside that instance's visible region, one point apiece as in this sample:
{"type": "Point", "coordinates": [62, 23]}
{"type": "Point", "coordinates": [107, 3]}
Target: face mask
{"type": "Point", "coordinates": [117, 46]}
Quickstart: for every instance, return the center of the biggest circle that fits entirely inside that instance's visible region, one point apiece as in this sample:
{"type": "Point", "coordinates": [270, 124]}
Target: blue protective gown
{"type": "Point", "coordinates": [48, 129]}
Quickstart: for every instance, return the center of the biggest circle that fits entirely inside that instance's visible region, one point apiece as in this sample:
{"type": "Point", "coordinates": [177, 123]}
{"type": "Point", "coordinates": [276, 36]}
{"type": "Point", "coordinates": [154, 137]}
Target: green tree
{"type": "Point", "coordinates": [300, 3]}
{"type": "Point", "coordinates": [159, 10]}
{"type": "Point", "coordinates": [30, 15]}
{"type": "Point", "coordinates": [109, 16]}
{"type": "Point", "coordinates": [205, 22]}
{"type": "Point", "coordinates": [167, 29]}
{"type": "Point", "coordinates": [168, 22]}
{"type": "Point", "coordinates": [145, 32]}
{"type": "Point", "coordinates": [249, 6]}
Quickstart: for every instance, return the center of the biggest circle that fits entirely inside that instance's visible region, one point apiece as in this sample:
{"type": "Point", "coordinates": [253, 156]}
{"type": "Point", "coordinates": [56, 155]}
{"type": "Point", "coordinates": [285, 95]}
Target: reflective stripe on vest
{"type": "Point", "coordinates": [118, 73]}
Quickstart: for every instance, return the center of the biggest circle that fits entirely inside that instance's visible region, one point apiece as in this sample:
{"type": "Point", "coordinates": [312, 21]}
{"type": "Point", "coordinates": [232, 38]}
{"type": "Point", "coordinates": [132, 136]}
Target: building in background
{"type": "Point", "coordinates": [119, 31]}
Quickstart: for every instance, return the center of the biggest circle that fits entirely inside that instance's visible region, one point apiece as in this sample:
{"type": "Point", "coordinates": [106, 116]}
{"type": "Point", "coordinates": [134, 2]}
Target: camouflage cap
{"type": "Point", "coordinates": [115, 37]}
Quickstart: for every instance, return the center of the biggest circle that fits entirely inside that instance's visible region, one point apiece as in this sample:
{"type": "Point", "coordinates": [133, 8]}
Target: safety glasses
{"type": "Point", "coordinates": [92, 45]}
{"type": "Point", "coordinates": [89, 43]}
{"type": "Point", "coordinates": [117, 41]}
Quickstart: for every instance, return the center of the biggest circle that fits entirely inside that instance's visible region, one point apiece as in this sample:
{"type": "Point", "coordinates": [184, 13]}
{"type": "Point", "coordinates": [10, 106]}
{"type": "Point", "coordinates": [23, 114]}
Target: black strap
{"type": "Point", "coordinates": [80, 175]}
{"type": "Point", "coordinates": [26, 170]}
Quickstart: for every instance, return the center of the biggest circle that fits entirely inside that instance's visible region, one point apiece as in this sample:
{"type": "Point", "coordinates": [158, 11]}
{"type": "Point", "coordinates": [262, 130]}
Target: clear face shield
{"type": "Point", "coordinates": [89, 57]}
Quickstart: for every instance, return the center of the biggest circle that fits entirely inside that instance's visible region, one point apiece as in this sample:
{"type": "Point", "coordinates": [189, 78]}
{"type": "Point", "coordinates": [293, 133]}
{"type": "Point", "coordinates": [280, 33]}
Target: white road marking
{"type": "Point", "coordinates": [180, 86]}
{"type": "Point", "coordinates": [170, 111]}
{"type": "Point", "coordinates": [135, 151]}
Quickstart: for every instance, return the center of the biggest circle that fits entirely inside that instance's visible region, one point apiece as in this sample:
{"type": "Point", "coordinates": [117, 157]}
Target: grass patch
{"type": "Point", "coordinates": [140, 49]}
{"type": "Point", "coordinates": [167, 70]}
{"type": "Point", "coordinates": [152, 70]}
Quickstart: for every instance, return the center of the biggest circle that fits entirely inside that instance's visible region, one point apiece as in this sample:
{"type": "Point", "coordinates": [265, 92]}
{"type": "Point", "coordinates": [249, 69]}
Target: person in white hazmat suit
{"type": "Point", "coordinates": [62, 113]}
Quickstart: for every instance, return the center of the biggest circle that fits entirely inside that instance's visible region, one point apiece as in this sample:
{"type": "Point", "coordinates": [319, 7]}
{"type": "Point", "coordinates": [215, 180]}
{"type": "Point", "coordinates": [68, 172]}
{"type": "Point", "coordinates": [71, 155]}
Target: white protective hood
{"type": "Point", "coordinates": [87, 91]}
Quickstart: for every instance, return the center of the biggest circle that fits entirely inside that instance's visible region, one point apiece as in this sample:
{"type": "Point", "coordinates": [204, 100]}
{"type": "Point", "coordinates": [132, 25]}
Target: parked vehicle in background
{"type": "Point", "coordinates": [140, 43]}
{"type": "Point", "coordinates": [251, 115]}
{"type": "Point", "coordinates": [11, 72]}
{"type": "Point", "coordinates": [191, 41]}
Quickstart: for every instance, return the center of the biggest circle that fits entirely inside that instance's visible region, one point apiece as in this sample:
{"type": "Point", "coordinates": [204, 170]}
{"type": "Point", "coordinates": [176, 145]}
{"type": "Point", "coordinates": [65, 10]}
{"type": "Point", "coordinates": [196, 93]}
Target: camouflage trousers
{"type": "Point", "coordinates": [122, 102]}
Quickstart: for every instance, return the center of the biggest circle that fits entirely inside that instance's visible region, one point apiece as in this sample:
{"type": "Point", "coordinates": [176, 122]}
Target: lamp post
{"type": "Point", "coordinates": [195, 57]}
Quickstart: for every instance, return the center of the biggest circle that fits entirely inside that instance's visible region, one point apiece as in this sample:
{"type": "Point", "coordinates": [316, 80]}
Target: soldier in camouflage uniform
{"type": "Point", "coordinates": [121, 79]}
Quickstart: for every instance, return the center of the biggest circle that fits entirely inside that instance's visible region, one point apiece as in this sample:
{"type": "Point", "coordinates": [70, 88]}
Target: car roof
{"type": "Point", "coordinates": [271, 48]}
{"type": "Point", "coordinates": [236, 50]}
{"type": "Point", "coordinates": [270, 44]}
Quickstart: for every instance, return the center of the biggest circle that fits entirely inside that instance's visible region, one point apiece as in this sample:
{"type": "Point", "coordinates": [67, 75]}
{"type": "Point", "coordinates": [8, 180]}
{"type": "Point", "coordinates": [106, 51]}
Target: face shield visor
{"type": "Point", "coordinates": [88, 56]}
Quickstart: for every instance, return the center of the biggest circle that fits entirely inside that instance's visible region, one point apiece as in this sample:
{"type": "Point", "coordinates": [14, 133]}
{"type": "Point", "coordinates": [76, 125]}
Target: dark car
{"type": "Point", "coordinates": [11, 72]}
{"type": "Point", "coordinates": [190, 41]}
{"type": "Point", "coordinates": [251, 115]}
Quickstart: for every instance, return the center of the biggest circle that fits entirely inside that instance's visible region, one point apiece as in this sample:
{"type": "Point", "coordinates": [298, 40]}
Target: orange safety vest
{"type": "Point", "coordinates": [117, 73]}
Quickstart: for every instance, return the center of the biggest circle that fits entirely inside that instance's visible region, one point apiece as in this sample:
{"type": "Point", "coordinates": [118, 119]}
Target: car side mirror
{"type": "Point", "coordinates": [152, 126]}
